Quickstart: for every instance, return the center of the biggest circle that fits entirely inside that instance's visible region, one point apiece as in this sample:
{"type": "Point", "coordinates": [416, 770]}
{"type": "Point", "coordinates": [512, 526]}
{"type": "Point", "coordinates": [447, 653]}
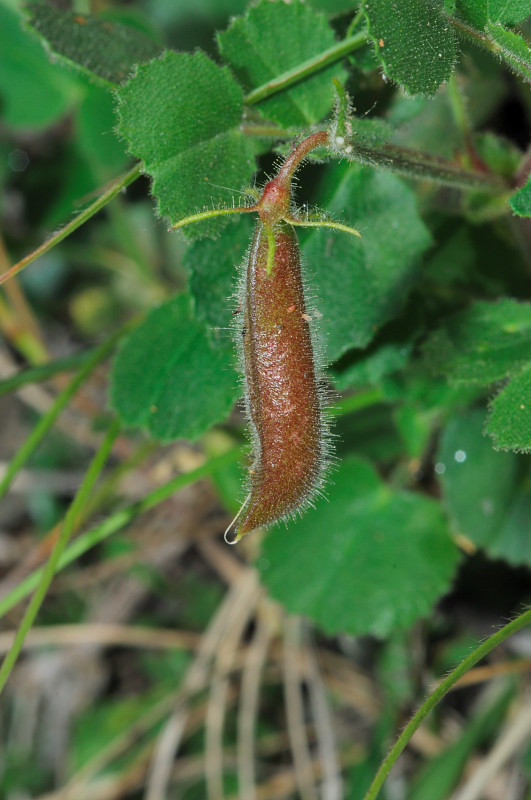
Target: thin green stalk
{"type": "Point", "coordinates": [356, 402]}
{"type": "Point", "coordinates": [428, 167]}
{"type": "Point", "coordinates": [44, 371]}
{"type": "Point", "coordinates": [475, 36]}
{"type": "Point", "coordinates": [355, 22]}
{"type": "Point", "coordinates": [119, 519]}
{"type": "Point", "coordinates": [437, 695]}
{"type": "Point", "coordinates": [62, 400]}
{"type": "Point", "coordinates": [307, 68]}
{"type": "Point", "coordinates": [460, 114]}
{"type": "Point", "coordinates": [115, 188]}
{"type": "Point", "coordinates": [482, 38]}
{"type": "Point", "coordinates": [22, 338]}
{"type": "Point", "coordinates": [116, 522]}
{"type": "Point", "coordinates": [50, 568]}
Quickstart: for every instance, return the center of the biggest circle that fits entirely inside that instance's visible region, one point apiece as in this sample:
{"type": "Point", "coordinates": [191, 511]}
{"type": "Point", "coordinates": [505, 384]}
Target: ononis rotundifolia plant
{"type": "Point", "coordinates": [283, 396]}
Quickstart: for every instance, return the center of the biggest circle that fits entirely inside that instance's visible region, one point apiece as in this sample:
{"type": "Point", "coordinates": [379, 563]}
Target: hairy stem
{"type": "Point", "coordinates": [428, 167]}
{"type": "Point", "coordinates": [483, 39]}
{"type": "Point", "coordinates": [215, 212]}
{"type": "Point", "coordinates": [437, 695]}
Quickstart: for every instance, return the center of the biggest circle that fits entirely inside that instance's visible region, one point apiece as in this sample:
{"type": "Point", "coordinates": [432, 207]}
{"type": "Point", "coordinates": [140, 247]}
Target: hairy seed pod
{"type": "Point", "coordinates": [282, 392]}
{"type": "Point", "coordinates": [282, 389]}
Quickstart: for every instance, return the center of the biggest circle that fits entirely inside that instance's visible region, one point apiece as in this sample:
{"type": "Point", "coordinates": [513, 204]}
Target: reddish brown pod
{"type": "Point", "coordinates": [283, 399]}
{"type": "Point", "coordinates": [282, 392]}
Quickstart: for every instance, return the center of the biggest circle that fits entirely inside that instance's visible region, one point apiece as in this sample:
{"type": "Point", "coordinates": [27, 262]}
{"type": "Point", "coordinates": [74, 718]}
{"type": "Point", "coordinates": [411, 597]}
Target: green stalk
{"type": "Point", "coordinates": [62, 400]}
{"type": "Point", "coordinates": [44, 371]}
{"type": "Point", "coordinates": [483, 39]}
{"type": "Point", "coordinates": [306, 68]}
{"type": "Point", "coordinates": [460, 114]}
{"type": "Point", "coordinates": [426, 166]}
{"type": "Point", "coordinates": [115, 188]}
{"type": "Point", "coordinates": [119, 519]}
{"type": "Point", "coordinates": [356, 402]}
{"type": "Point", "coordinates": [473, 35]}
{"type": "Point", "coordinates": [437, 695]}
{"type": "Point", "coordinates": [116, 522]}
{"type": "Point", "coordinates": [50, 568]}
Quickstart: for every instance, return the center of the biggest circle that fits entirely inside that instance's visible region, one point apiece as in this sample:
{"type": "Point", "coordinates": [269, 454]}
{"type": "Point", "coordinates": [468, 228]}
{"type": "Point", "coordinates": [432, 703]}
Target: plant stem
{"type": "Point", "coordinates": [22, 315]}
{"type": "Point", "coordinates": [119, 519]}
{"type": "Point", "coordinates": [356, 402]}
{"type": "Point", "coordinates": [475, 36]}
{"type": "Point", "coordinates": [48, 571]}
{"type": "Point", "coordinates": [115, 188]}
{"type": "Point", "coordinates": [483, 39]}
{"type": "Point", "coordinates": [19, 336]}
{"type": "Point", "coordinates": [462, 121]}
{"type": "Point", "coordinates": [428, 167]}
{"type": "Point", "coordinates": [116, 522]}
{"type": "Point", "coordinates": [437, 695]}
{"type": "Point", "coordinates": [307, 68]}
{"type": "Point", "coordinates": [47, 420]}
{"type": "Point", "coordinates": [44, 371]}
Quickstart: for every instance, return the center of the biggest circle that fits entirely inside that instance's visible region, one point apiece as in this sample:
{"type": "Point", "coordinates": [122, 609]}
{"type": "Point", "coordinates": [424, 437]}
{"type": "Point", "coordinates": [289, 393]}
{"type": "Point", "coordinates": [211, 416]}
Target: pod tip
{"type": "Point", "coordinates": [231, 534]}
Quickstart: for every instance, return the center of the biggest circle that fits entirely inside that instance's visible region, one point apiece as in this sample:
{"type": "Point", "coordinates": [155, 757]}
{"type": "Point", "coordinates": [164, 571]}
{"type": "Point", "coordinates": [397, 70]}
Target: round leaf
{"type": "Point", "coordinates": [370, 560]}
{"type": "Point", "coordinates": [169, 378]}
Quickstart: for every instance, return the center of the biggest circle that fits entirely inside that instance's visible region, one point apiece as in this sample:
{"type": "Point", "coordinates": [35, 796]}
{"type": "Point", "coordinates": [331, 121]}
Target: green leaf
{"type": "Point", "coordinates": [479, 12]}
{"type": "Point", "coordinates": [421, 403]}
{"type": "Point", "coordinates": [389, 352]}
{"type": "Point", "coordinates": [370, 368]}
{"type": "Point", "coordinates": [95, 134]}
{"type": "Point", "coordinates": [93, 158]}
{"type": "Point", "coordinates": [513, 540]}
{"type": "Point", "coordinates": [362, 283]}
{"type": "Point", "coordinates": [181, 114]}
{"type": "Point", "coordinates": [370, 560]}
{"type": "Point", "coordinates": [483, 489]}
{"type": "Point", "coordinates": [414, 42]}
{"type": "Point", "coordinates": [104, 50]}
{"type": "Point", "coordinates": [26, 102]}
{"type": "Point", "coordinates": [512, 48]}
{"type": "Point", "coordinates": [272, 38]}
{"type": "Point", "coordinates": [214, 266]}
{"type": "Point", "coordinates": [169, 378]}
{"type": "Point", "coordinates": [485, 343]}
{"type": "Point", "coordinates": [520, 201]}
{"type": "Point", "coordinates": [510, 414]}
{"type": "Point", "coordinates": [500, 155]}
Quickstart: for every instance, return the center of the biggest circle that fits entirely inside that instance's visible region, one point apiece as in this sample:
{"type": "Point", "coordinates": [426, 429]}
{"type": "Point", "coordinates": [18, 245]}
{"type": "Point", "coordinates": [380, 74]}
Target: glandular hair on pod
{"type": "Point", "coordinates": [282, 387]}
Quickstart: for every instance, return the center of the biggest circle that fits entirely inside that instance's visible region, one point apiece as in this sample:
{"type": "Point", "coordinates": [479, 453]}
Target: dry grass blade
{"type": "Point", "coordinates": [332, 786]}
{"type": "Point", "coordinates": [302, 760]}
{"type": "Point", "coordinates": [514, 737]}
{"type": "Point", "coordinates": [103, 635]}
{"type": "Point", "coordinates": [249, 702]}
{"type": "Point", "coordinates": [249, 593]}
{"type": "Point", "coordinates": [490, 671]}
{"type": "Point", "coordinates": [196, 678]}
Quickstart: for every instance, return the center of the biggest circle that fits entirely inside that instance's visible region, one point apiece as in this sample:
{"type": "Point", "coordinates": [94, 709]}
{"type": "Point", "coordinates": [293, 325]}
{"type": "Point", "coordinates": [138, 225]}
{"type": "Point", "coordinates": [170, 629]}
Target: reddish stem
{"type": "Point", "coordinates": [317, 139]}
{"type": "Point", "coordinates": [274, 204]}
